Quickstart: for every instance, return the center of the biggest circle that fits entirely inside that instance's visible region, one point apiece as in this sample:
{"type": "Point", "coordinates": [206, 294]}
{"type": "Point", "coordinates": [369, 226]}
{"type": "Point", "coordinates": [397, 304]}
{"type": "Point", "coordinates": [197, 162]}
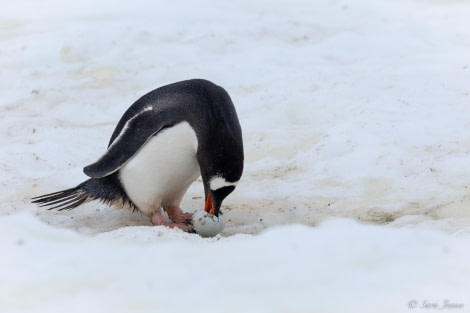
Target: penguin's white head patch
{"type": "Point", "coordinates": [217, 182]}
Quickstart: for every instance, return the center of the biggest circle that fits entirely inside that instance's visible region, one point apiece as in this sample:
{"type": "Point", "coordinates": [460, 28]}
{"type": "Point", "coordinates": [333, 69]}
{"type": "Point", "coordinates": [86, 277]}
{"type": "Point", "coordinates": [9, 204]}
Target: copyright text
{"type": "Point", "coordinates": [445, 304]}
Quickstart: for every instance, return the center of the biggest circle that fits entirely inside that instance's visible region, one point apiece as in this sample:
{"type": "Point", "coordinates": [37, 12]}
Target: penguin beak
{"type": "Point", "coordinates": [210, 207]}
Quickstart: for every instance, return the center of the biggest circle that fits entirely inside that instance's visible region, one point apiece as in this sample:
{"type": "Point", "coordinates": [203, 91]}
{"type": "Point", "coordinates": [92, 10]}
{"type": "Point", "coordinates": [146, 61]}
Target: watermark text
{"type": "Point", "coordinates": [445, 304]}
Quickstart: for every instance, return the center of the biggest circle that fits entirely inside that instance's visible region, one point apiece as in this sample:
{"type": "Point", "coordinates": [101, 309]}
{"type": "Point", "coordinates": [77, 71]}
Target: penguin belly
{"type": "Point", "coordinates": [160, 173]}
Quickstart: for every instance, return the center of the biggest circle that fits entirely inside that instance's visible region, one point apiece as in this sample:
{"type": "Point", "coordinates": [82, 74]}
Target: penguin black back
{"type": "Point", "coordinates": [204, 105]}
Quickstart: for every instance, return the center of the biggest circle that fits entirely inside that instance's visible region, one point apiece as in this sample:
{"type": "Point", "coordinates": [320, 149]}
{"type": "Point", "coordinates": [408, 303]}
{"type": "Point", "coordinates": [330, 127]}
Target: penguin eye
{"type": "Point", "coordinates": [223, 192]}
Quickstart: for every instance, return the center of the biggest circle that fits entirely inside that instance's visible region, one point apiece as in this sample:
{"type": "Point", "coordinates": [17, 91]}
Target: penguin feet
{"type": "Point", "coordinates": [178, 216]}
{"type": "Point", "coordinates": [178, 219]}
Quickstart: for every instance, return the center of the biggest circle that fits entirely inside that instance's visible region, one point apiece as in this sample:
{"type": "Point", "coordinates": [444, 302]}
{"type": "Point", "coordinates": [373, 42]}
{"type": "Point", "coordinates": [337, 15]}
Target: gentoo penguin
{"type": "Point", "coordinates": [162, 144]}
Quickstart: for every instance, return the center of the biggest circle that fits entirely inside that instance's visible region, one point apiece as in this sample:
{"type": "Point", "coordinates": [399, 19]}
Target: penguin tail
{"type": "Point", "coordinates": [63, 200]}
{"type": "Point", "coordinates": [101, 189]}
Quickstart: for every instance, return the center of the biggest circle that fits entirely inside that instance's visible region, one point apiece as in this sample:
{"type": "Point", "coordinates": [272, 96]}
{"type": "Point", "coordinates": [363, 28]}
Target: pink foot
{"type": "Point", "coordinates": [177, 215]}
{"type": "Point", "coordinates": [159, 220]}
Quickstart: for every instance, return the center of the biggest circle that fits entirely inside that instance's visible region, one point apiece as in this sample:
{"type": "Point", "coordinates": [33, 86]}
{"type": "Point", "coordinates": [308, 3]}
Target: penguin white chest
{"type": "Point", "coordinates": [160, 173]}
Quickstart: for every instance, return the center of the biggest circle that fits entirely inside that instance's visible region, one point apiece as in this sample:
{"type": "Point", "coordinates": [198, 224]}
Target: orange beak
{"type": "Point", "coordinates": [209, 207]}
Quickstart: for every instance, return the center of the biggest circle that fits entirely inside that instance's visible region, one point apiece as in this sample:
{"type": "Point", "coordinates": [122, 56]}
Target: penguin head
{"type": "Point", "coordinates": [218, 189]}
{"type": "Point", "coordinates": [221, 169]}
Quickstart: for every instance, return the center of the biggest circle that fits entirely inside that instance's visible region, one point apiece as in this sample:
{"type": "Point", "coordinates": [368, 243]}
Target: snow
{"type": "Point", "coordinates": [355, 190]}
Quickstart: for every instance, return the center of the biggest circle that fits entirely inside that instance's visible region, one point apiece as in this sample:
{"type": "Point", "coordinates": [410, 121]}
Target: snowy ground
{"type": "Point", "coordinates": [355, 192]}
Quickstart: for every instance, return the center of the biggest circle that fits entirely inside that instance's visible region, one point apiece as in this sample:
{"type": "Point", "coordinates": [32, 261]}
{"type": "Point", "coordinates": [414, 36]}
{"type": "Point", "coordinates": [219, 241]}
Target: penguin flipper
{"type": "Point", "coordinates": [135, 133]}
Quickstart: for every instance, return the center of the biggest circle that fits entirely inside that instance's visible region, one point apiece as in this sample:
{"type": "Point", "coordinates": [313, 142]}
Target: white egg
{"type": "Point", "coordinates": [208, 225]}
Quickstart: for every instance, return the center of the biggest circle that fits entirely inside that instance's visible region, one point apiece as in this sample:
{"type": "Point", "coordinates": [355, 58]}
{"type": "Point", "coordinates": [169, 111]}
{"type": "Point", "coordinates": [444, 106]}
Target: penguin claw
{"type": "Point", "coordinates": [191, 231]}
{"type": "Point", "coordinates": [189, 222]}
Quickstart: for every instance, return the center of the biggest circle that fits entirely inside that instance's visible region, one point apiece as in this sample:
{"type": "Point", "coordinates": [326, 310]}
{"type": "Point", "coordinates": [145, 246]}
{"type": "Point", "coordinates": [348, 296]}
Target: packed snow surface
{"type": "Point", "coordinates": [355, 117]}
